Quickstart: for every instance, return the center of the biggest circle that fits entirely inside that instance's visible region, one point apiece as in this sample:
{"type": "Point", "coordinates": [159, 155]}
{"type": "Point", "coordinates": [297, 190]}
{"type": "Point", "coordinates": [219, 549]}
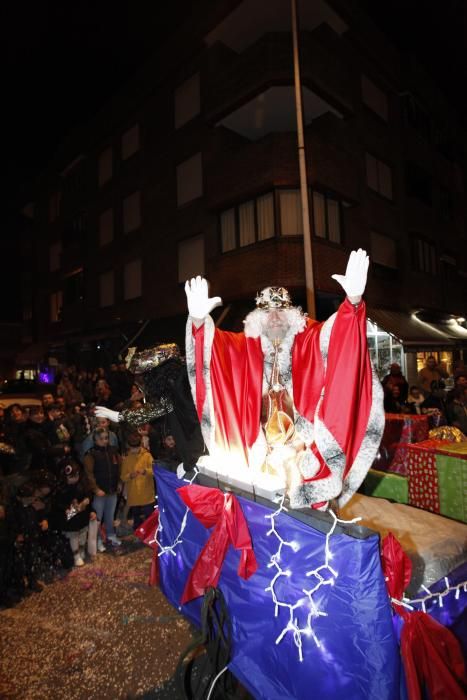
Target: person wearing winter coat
{"type": "Point", "coordinates": [137, 474]}
{"type": "Point", "coordinates": [73, 508]}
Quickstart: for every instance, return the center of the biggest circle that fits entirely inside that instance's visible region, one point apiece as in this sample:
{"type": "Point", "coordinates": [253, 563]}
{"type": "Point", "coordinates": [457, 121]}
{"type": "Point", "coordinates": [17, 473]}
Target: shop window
{"type": "Point", "coordinates": [374, 98]}
{"type": "Point", "coordinates": [189, 180]}
{"type": "Point", "coordinates": [132, 280]}
{"type": "Point", "coordinates": [187, 101]}
{"type": "Point", "coordinates": [132, 212]}
{"type": "Point", "coordinates": [379, 176]}
{"type": "Point", "coordinates": [190, 258]}
{"type": "Point", "coordinates": [130, 142]}
{"type": "Point", "coordinates": [107, 289]}
{"type": "Point", "coordinates": [105, 166]}
{"type": "Point", "coordinates": [106, 227]}
{"type": "Point", "coordinates": [384, 349]}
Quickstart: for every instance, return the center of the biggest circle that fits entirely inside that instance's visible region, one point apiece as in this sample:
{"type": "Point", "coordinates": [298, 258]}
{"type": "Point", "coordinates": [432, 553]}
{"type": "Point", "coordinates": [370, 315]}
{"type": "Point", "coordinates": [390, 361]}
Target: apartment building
{"type": "Point", "coordinates": [193, 169]}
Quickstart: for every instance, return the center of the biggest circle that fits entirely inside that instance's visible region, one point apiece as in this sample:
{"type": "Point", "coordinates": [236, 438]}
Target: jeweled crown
{"type": "Point", "coordinates": [273, 298]}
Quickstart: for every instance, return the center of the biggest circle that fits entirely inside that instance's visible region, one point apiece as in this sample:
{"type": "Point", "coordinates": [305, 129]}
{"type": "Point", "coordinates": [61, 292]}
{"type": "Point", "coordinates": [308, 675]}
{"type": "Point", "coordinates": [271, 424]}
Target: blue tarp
{"type": "Point", "coordinates": [359, 656]}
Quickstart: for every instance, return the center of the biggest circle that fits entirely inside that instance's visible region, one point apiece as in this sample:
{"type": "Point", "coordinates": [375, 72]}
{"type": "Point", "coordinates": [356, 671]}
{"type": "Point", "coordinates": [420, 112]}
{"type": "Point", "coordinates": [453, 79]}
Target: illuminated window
{"type": "Point", "coordinates": [56, 306]}
{"type": "Point", "coordinates": [378, 176]}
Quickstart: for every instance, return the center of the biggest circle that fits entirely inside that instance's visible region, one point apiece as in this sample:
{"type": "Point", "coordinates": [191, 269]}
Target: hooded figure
{"type": "Point", "coordinates": [289, 396]}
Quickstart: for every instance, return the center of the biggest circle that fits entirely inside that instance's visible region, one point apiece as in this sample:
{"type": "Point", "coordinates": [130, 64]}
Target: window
{"type": "Point", "coordinates": [228, 235]}
{"type": "Point", "coordinates": [107, 289]}
{"type": "Point", "coordinates": [130, 142]}
{"type": "Point", "coordinates": [416, 116]}
{"type": "Point", "coordinates": [424, 256]}
{"type": "Point", "coordinates": [374, 98]}
{"type": "Point", "coordinates": [291, 213]}
{"type": "Point", "coordinates": [132, 212]}
{"type": "Point", "coordinates": [327, 217]}
{"type": "Point", "coordinates": [106, 227]}
{"type": "Point", "coordinates": [248, 223]}
{"type": "Point", "coordinates": [418, 183]}
{"type": "Point", "coordinates": [105, 165]}
{"type": "Point", "coordinates": [74, 288]}
{"type": "Point", "coordinates": [190, 258]}
{"type": "Point", "coordinates": [189, 180]}
{"type": "Point", "coordinates": [56, 305]}
{"type": "Point", "coordinates": [132, 280]}
{"type": "Point", "coordinates": [187, 101]}
{"type": "Point", "coordinates": [378, 176]}
{"type": "Point", "coordinates": [54, 206]}
{"type": "Point", "coordinates": [383, 250]}
{"type": "Point", "coordinates": [55, 252]}
{"type": "Point", "coordinates": [265, 216]}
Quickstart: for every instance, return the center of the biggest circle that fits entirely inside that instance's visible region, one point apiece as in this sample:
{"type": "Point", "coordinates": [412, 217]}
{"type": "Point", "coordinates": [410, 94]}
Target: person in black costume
{"type": "Point", "coordinates": [161, 374]}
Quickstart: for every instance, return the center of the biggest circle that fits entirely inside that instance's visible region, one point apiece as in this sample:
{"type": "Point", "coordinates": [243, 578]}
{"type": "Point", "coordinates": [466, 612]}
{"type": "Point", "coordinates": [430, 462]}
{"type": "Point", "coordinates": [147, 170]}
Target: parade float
{"type": "Point", "coordinates": [291, 413]}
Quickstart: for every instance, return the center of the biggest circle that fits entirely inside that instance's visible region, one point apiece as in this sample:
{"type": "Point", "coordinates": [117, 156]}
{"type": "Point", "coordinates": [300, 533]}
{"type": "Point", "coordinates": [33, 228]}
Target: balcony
{"type": "Point", "coordinates": [268, 64]}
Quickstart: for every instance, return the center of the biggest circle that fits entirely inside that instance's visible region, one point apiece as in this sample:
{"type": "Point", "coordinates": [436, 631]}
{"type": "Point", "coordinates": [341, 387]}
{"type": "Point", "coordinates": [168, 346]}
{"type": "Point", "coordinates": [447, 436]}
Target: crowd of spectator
{"type": "Point", "coordinates": [430, 395]}
{"type": "Point", "coordinates": [72, 484]}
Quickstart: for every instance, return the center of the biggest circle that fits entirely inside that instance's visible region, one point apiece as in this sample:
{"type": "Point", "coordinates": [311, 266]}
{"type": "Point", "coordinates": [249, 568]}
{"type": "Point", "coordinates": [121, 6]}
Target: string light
{"type": "Point", "coordinates": [314, 611]}
{"type": "Point", "coordinates": [410, 603]}
{"type": "Point", "coordinates": [163, 549]}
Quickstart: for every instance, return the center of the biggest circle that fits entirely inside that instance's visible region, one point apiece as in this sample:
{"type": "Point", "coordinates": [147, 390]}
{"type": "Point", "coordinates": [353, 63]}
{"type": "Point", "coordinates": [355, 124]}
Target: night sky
{"type": "Point", "coordinates": [64, 59]}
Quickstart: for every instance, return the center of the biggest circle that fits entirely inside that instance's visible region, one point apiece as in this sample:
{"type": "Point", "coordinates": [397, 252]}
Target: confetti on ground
{"type": "Point", "coordinates": [99, 633]}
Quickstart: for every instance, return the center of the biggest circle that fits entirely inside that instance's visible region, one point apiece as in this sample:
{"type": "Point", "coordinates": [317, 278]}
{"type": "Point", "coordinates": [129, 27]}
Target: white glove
{"type": "Point", "coordinates": [199, 303]}
{"type": "Point", "coordinates": [180, 471]}
{"type": "Point", "coordinates": [354, 280]}
{"type": "Point", "coordinates": [103, 412]}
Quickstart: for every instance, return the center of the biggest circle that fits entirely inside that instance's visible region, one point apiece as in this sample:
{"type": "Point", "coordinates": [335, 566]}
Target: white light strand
{"type": "Point", "coordinates": [293, 623]}
{"type": "Point", "coordinates": [163, 549]}
{"type": "Point", "coordinates": [410, 603]}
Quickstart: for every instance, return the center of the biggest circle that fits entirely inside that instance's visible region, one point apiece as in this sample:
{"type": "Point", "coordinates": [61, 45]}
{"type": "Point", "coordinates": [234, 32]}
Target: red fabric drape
{"type": "Point", "coordinates": [223, 512]}
{"type": "Point", "coordinates": [147, 534]}
{"type": "Point", "coordinates": [431, 654]}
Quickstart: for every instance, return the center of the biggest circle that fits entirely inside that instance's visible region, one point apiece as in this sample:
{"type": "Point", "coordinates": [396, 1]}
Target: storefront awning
{"type": "Point", "coordinates": [416, 334]}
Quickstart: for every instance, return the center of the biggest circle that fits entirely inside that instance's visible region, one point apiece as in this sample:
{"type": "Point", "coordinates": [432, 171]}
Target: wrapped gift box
{"type": "Point", "coordinates": [393, 487]}
{"type": "Point", "coordinates": [399, 430]}
{"type": "Point", "coordinates": [451, 465]}
{"type": "Point", "coordinates": [423, 477]}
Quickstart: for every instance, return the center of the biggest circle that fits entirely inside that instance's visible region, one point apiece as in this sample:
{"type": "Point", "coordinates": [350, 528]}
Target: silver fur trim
{"type": "Point", "coordinates": [207, 416]}
{"type": "Point", "coordinates": [370, 443]}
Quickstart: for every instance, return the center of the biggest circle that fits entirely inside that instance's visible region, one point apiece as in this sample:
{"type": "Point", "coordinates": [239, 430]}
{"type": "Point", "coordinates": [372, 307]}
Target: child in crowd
{"type": "Point", "coordinates": [137, 474]}
{"type": "Point", "coordinates": [73, 507]}
{"type": "Point", "coordinates": [102, 464]}
{"type": "Point", "coordinates": [25, 528]}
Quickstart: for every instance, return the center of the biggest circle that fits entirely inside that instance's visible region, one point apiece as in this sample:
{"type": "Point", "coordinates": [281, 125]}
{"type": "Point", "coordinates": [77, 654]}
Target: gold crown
{"type": "Point", "coordinates": [145, 360]}
{"type": "Point", "coordinates": [273, 298]}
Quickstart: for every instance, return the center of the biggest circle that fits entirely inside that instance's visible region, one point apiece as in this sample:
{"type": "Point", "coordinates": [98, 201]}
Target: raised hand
{"type": "Point", "coordinates": [198, 300]}
{"type": "Point", "coordinates": [354, 280]}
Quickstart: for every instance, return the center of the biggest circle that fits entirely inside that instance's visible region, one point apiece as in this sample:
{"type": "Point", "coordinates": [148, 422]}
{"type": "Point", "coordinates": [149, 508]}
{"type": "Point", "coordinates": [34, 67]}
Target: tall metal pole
{"type": "Point", "coordinates": [309, 281]}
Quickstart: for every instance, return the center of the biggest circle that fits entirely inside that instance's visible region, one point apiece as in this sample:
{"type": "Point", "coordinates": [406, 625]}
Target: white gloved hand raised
{"type": "Point", "coordinates": [103, 412]}
{"type": "Point", "coordinates": [354, 280]}
{"type": "Point", "coordinates": [199, 303]}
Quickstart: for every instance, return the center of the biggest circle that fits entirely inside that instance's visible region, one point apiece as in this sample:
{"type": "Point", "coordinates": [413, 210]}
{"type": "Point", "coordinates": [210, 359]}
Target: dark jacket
{"type": "Point", "coordinates": [102, 466]}
{"type": "Point", "coordinates": [64, 497]}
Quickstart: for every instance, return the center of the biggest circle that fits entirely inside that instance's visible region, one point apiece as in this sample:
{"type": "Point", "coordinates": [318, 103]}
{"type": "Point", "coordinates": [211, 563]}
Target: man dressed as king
{"type": "Point", "coordinates": [289, 397]}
